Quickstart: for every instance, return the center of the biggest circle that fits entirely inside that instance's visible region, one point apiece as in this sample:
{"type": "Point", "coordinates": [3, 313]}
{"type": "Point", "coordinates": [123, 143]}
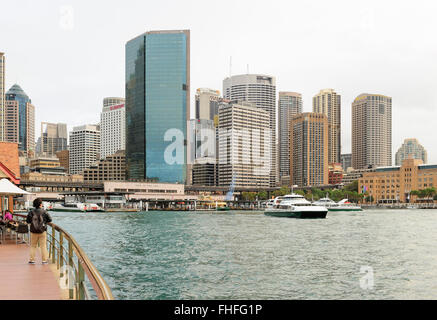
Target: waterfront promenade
{"type": "Point", "coordinates": [22, 281]}
{"type": "Point", "coordinates": [40, 282]}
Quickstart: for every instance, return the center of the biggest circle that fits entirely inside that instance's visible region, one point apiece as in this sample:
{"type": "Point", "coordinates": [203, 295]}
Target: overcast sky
{"type": "Point", "coordinates": [69, 55]}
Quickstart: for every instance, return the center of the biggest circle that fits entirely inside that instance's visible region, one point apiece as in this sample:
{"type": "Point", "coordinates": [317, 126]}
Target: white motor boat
{"type": "Point", "coordinates": [270, 203]}
{"type": "Point", "coordinates": [346, 205]}
{"type": "Point", "coordinates": [411, 206]}
{"type": "Point", "coordinates": [295, 206]}
{"type": "Point", "coordinates": [47, 205]}
{"type": "Point", "coordinates": [92, 207]}
{"type": "Point", "coordinates": [68, 207]}
{"type": "Point", "coordinates": [331, 205]}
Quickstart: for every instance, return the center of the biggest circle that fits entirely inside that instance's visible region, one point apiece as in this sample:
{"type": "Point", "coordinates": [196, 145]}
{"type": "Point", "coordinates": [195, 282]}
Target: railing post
{"type": "Point", "coordinates": [53, 245]}
{"type": "Point", "coordinates": [70, 263]}
{"type": "Point", "coordinates": [47, 244]}
{"type": "Point", "coordinates": [61, 251]}
{"type": "Point", "coordinates": [81, 280]}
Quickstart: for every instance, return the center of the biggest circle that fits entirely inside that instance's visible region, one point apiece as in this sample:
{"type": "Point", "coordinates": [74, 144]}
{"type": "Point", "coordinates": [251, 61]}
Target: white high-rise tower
{"type": "Point", "coordinates": [260, 90]}
{"type": "Point", "coordinates": [84, 147]}
{"type": "Point", "coordinates": [112, 127]}
{"type": "Point", "coordinates": [371, 131]}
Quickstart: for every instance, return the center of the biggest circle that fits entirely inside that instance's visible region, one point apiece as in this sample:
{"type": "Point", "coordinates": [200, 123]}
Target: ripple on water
{"type": "Point", "coordinates": [185, 255]}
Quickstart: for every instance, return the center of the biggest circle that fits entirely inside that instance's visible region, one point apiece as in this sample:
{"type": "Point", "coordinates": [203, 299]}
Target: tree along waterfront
{"type": "Point", "coordinates": [347, 192]}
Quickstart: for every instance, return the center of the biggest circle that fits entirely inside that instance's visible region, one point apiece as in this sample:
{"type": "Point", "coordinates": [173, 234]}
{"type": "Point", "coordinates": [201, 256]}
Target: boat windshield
{"type": "Point", "coordinates": [70, 205]}
{"type": "Point", "coordinates": [325, 200]}
{"type": "Point", "coordinates": [293, 197]}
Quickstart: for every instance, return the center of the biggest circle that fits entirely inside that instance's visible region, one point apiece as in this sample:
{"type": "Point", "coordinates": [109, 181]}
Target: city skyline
{"type": "Point", "coordinates": [351, 71]}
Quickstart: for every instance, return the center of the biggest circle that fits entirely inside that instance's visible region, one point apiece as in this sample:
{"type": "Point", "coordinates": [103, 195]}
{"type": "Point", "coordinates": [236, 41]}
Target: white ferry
{"type": "Point", "coordinates": [295, 206]}
{"type": "Point", "coordinates": [70, 207]}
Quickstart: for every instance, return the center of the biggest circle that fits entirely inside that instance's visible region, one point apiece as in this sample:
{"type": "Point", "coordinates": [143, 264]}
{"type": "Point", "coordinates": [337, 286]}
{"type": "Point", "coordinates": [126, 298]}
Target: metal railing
{"type": "Point", "coordinates": [73, 265]}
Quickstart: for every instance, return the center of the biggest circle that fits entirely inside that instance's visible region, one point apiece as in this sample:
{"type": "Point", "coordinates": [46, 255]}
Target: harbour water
{"type": "Point", "coordinates": [374, 254]}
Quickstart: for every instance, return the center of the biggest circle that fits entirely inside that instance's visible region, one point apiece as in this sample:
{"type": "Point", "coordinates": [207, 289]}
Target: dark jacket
{"type": "Point", "coordinates": [46, 217]}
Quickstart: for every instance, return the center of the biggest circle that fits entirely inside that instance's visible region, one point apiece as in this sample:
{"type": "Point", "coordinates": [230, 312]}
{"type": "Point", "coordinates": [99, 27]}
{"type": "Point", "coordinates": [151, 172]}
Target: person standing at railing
{"type": "Point", "coordinates": [38, 219]}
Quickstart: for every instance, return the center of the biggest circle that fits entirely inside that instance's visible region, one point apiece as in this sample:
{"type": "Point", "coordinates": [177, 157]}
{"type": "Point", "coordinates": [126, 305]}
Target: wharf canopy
{"type": "Point", "coordinates": [106, 200]}
{"type": "Point", "coordinates": [147, 190]}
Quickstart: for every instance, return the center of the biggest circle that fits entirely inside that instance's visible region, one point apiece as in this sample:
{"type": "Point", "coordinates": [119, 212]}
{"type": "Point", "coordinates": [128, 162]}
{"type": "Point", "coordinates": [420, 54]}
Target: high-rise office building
{"type": "Point", "coordinates": [201, 139]}
{"type": "Point", "coordinates": [290, 104]}
{"type": "Point", "coordinates": [328, 102]}
{"type": "Point", "coordinates": [2, 95]}
{"type": "Point", "coordinates": [346, 161]}
{"type": "Point", "coordinates": [371, 131]}
{"type": "Point", "coordinates": [112, 101]}
{"type": "Point", "coordinates": [112, 127]}
{"type": "Point", "coordinates": [260, 90]}
{"type": "Point", "coordinates": [38, 146]}
{"type": "Point", "coordinates": [112, 168]}
{"type": "Point", "coordinates": [30, 128]}
{"type": "Point", "coordinates": [11, 118]}
{"type": "Point", "coordinates": [202, 148]}
{"type": "Point", "coordinates": [157, 105]}
{"type": "Point", "coordinates": [207, 103]}
{"type": "Point", "coordinates": [205, 172]}
{"type": "Point", "coordinates": [244, 145]}
{"type": "Point", "coordinates": [411, 148]}
{"type": "Point", "coordinates": [309, 149]}
{"type": "Point", "coordinates": [64, 159]}
{"type": "Point", "coordinates": [84, 147]}
{"type": "Point", "coordinates": [26, 118]}
{"type": "Point", "coordinates": [53, 138]}
{"type": "Point", "coordinates": [44, 162]}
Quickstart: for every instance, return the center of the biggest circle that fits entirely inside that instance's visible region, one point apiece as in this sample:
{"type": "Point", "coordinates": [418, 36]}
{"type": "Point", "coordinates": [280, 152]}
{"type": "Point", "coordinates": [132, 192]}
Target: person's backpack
{"type": "Point", "coordinates": [37, 225]}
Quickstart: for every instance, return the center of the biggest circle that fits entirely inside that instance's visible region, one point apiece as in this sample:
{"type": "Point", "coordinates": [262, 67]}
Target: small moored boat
{"type": "Point", "coordinates": [68, 207]}
{"type": "Point", "coordinates": [345, 205]}
{"type": "Point", "coordinates": [92, 207]}
{"type": "Point", "coordinates": [222, 206]}
{"type": "Point", "coordinates": [331, 205]}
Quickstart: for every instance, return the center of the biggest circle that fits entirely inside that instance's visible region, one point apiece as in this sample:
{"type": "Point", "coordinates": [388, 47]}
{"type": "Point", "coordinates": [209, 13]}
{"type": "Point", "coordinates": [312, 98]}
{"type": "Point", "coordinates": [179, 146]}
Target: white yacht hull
{"type": "Point", "coordinates": [304, 212]}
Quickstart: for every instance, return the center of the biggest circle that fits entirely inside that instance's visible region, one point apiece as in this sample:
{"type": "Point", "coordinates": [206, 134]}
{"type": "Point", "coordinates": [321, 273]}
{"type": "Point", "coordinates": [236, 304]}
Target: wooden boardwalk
{"type": "Point", "coordinates": [20, 280]}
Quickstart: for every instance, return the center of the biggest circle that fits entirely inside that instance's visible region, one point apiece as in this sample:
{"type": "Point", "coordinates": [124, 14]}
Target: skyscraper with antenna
{"type": "Point", "coordinates": [261, 90]}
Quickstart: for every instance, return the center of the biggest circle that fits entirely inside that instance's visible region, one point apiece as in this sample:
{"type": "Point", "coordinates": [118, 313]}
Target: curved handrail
{"type": "Point", "coordinates": [99, 284]}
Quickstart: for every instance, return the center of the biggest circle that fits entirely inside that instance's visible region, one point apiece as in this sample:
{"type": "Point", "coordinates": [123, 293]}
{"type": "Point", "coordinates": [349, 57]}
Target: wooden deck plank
{"type": "Point", "coordinates": [23, 281]}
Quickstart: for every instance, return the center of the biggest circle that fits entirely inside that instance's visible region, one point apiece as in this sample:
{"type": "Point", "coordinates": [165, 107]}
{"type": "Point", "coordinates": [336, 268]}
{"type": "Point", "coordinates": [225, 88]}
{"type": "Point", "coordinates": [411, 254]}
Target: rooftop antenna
{"type": "Point", "coordinates": [247, 68]}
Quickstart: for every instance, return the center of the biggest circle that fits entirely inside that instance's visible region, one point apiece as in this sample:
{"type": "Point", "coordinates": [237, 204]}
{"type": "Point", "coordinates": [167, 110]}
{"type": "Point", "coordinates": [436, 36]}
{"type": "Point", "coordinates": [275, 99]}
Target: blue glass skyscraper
{"type": "Point", "coordinates": [15, 93]}
{"type": "Point", "coordinates": [157, 105]}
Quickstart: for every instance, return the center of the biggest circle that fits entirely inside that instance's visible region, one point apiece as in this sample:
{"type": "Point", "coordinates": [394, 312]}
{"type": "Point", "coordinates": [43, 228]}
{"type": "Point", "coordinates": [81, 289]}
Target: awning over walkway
{"type": "Point", "coordinates": [8, 188]}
